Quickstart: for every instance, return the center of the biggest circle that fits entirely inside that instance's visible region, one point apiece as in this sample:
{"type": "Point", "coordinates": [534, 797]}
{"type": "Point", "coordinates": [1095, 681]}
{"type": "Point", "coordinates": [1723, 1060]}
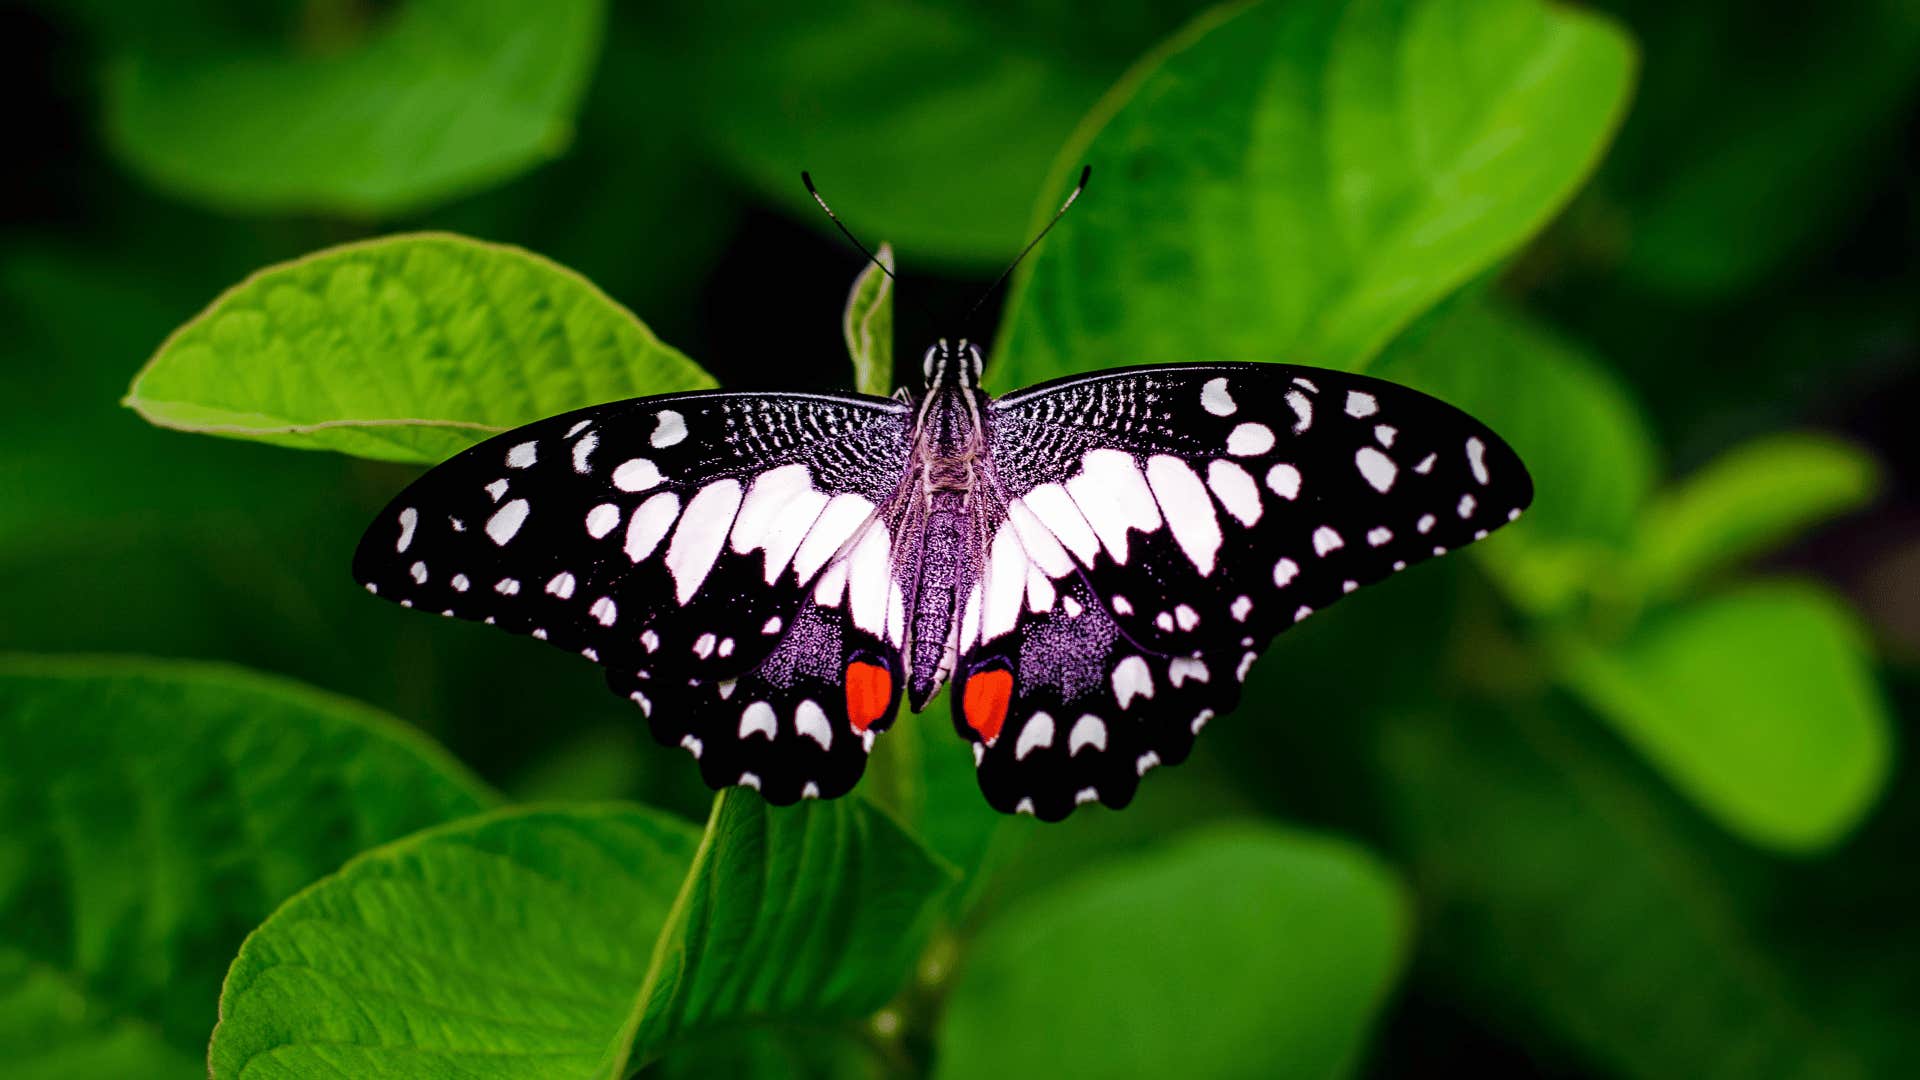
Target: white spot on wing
{"type": "Point", "coordinates": [703, 645]}
{"type": "Point", "coordinates": [1241, 606]}
{"type": "Point", "coordinates": [1186, 617]}
{"type": "Point", "coordinates": [1284, 572]}
{"type": "Point", "coordinates": [581, 450]}
{"type": "Point", "coordinates": [602, 520]}
{"type": "Point", "coordinates": [843, 514]}
{"type": "Point", "coordinates": [460, 583]}
{"type": "Point", "coordinates": [758, 717]}
{"type": "Point", "coordinates": [811, 720]}
{"type": "Point", "coordinates": [1378, 535]}
{"type": "Point", "coordinates": [1361, 404]}
{"type": "Point", "coordinates": [1215, 399]}
{"type": "Point", "coordinates": [1130, 679]}
{"type": "Point", "coordinates": [507, 586]}
{"type": "Point", "coordinates": [1055, 509]}
{"type": "Point", "coordinates": [1377, 467]}
{"type": "Point", "coordinates": [1114, 497]}
{"type": "Point", "coordinates": [669, 428]}
{"type": "Point", "coordinates": [1146, 762]}
{"type": "Point", "coordinates": [408, 519]}
{"type": "Point", "coordinates": [1187, 510]}
{"type": "Point", "coordinates": [1326, 540]}
{"type": "Point", "coordinates": [636, 474]}
{"type": "Point", "coordinates": [561, 585]}
{"type": "Point", "coordinates": [604, 610]}
{"type": "Point", "coordinates": [1426, 465]}
{"type": "Point", "coordinates": [1035, 734]}
{"type": "Point", "coordinates": [1284, 479]}
{"type": "Point", "coordinates": [1087, 731]}
{"type": "Point", "coordinates": [1425, 524]}
{"type": "Point", "coordinates": [1302, 410]}
{"type": "Point", "coordinates": [1186, 667]}
{"type": "Point", "coordinates": [1466, 506]}
{"type": "Point", "coordinates": [522, 455]}
{"type": "Point", "coordinates": [869, 572]}
{"type": "Point", "coordinates": [1042, 546]}
{"type": "Point", "coordinates": [1249, 439]}
{"type": "Point", "coordinates": [1477, 458]}
{"type": "Point", "coordinates": [1386, 434]}
{"type": "Point", "coordinates": [1005, 583]}
{"type": "Point", "coordinates": [419, 572]}
{"type": "Point", "coordinates": [1236, 491]}
{"type": "Point", "coordinates": [507, 520]}
{"type": "Point", "coordinates": [701, 534]}
{"type": "Point", "coordinates": [650, 523]}
{"type": "Point", "coordinates": [497, 489]}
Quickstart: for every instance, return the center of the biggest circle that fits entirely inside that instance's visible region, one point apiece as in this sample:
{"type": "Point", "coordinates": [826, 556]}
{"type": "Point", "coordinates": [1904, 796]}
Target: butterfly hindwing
{"type": "Point", "coordinates": [681, 532]}
{"type": "Point", "coordinates": [799, 724]}
{"type": "Point", "coordinates": [1069, 711]}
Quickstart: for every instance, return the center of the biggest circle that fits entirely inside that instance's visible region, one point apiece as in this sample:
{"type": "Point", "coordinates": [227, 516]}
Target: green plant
{"type": "Point", "coordinates": [1569, 788]}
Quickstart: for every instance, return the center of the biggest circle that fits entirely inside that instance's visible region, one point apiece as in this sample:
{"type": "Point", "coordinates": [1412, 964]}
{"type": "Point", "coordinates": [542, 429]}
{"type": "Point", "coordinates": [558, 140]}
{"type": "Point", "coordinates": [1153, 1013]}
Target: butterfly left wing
{"type": "Point", "coordinates": [1201, 509]}
{"type": "Point", "coordinates": [680, 541]}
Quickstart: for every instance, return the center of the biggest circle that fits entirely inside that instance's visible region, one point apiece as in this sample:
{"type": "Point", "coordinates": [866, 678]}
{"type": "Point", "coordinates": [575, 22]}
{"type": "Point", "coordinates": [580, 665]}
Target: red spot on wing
{"type": "Point", "coordinates": [985, 702]}
{"type": "Point", "coordinates": [869, 692]}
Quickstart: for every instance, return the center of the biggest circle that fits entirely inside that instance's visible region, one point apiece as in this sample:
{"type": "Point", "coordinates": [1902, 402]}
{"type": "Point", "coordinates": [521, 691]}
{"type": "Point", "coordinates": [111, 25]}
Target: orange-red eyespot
{"type": "Point", "coordinates": [985, 702]}
{"type": "Point", "coordinates": [869, 692]}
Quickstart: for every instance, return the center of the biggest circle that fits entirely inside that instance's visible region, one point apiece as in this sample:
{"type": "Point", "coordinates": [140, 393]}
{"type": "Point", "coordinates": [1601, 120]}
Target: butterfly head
{"type": "Point", "coordinates": [947, 364]}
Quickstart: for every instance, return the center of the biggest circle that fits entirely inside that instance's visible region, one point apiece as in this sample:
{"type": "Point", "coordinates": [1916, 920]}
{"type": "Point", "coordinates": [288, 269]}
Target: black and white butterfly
{"type": "Point", "coordinates": [1094, 562]}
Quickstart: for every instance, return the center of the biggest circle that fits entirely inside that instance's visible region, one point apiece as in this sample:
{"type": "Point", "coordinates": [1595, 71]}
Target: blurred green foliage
{"type": "Point", "coordinates": [1618, 794]}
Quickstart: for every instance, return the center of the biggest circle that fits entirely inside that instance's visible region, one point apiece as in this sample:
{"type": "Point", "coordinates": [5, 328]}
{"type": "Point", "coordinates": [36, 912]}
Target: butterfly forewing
{"type": "Point", "coordinates": [1202, 509]}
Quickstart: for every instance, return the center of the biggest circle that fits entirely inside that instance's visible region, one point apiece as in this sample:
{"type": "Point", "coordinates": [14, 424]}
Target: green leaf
{"type": "Point", "coordinates": [1236, 951]}
{"type": "Point", "coordinates": [439, 98]}
{"type": "Point", "coordinates": [969, 101]}
{"type": "Point", "coordinates": [579, 942]}
{"type": "Point", "coordinates": [926, 778]}
{"type": "Point", "coordinates": [813, 913]}
{"type": "Point", "coordinates": [1570, 902]}
{"type": "Point", "coordinates": [409, 348]}
{"type": "Point", "coordinates": [1752, 137]}
{"type": "Point", "coordinates": [868, 326]}
{"type": "Point", "coordinates": [1760, 705]}
{"type": "Point", "coordinates": [152, 813]}
{"type": "Point", "coordinates": [1297, 181]}
{"type": "Point", "coordinates": [1748, 501]}
{"type": "Point", "coordinates": [509, 945]}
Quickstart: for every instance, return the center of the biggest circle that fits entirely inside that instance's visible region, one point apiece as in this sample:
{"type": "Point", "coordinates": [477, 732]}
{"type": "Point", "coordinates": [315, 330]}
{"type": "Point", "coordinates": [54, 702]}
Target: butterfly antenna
{"type": "Point", "coordinates": [844, 231]}
{"type": "Point", "coordinates": [1086, 171]}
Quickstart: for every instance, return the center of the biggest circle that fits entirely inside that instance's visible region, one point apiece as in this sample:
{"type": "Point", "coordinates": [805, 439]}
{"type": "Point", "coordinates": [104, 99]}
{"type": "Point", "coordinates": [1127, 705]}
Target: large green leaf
{"type": "Point", "coordinates": [442, 96]}
{"type": "Point", "coordinates": [579, 942]}
{"type": "Point", "coordinates": [1296, 181]}
{"type": "Point", "coordinates": [408, 348]}
{"type": "Point", "coordinates": [1571, 902]}
{"type": "Point", "coordinates": [1760, 704]}
{"type": "Point", "coordinates": [929, 123]}
{"type": "Point", "coordinates": [1236, 951]}
{"type": "Point", "coordinates": [1747, 501]}
{"type": "Point", "coordinates": [150, 815]}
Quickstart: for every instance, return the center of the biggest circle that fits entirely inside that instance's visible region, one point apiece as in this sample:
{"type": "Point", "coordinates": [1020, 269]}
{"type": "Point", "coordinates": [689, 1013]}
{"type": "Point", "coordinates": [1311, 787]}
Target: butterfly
{"type": "Point", "coordinates": [1094, 562]}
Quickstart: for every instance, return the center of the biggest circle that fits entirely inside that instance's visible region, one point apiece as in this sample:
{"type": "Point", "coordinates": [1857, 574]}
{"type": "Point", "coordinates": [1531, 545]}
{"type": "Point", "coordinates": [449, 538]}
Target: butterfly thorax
{"type": "Point", "coordinates": [941, 536]}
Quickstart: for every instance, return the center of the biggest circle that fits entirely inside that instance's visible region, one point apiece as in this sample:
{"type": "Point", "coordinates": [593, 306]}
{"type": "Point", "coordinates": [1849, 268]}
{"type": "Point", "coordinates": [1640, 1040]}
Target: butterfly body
{"type": "Point", "coordinates": [1094, 563]}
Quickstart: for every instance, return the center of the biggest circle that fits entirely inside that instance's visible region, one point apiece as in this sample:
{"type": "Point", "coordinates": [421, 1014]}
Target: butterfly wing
{"type": "Point", "coordinates": [1201, 509]}
{"type": "Point", "coordinates": [676, 540]}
